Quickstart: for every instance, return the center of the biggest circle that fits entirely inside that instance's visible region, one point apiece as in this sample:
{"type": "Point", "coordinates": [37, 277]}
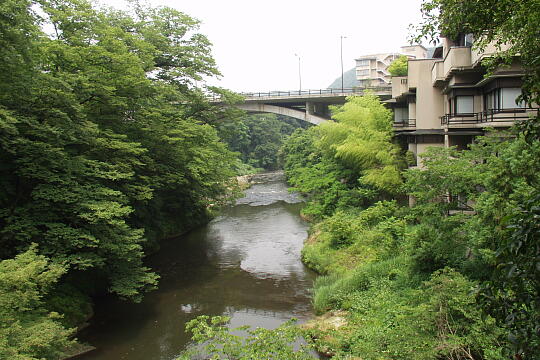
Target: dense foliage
{"type": "Point", "coordinates": [511, 295]}
{"type": "Point", "coordinates": [106, 146]}
{"type": "Point", "coordinates": [258, 138]}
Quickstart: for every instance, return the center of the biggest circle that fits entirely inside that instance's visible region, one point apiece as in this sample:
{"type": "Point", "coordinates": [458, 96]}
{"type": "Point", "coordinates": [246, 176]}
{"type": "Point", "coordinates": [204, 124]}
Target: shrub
{"type": "Point", "coordinates": [215, 339]}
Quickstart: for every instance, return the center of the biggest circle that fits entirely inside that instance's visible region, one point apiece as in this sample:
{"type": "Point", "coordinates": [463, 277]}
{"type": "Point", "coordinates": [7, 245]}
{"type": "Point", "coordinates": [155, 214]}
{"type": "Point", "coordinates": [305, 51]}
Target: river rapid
{"type": "Point", "coordinates": [244, 264]}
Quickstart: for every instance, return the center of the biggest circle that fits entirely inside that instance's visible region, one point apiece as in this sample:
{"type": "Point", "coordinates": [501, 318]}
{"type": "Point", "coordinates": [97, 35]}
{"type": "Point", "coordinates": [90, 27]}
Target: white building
{"type": "Point", "coordinates": [372, 70]}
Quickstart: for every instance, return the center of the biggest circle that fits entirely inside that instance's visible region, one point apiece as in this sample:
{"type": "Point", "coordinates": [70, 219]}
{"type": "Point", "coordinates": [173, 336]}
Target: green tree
{"type": "Point", "coordinates": [512, 294]}
{"type": "Point", "coordinates": [361, 139]}
{"type": "Point", "coordinates": [105, 145]}
{"type": "Point", "coordinates": [399, 67]}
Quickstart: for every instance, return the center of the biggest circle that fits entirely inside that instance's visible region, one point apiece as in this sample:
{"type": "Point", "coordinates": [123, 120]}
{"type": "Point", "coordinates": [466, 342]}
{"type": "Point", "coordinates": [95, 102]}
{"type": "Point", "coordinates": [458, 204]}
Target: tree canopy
{"type": "Point", "coordinates": [399, 67]}
{"type": "Point", "coordinates": [106, 144]}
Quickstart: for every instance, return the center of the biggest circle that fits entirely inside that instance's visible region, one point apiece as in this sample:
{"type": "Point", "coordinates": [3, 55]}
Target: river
{"type": "Point", "coordinates": [244, 264]}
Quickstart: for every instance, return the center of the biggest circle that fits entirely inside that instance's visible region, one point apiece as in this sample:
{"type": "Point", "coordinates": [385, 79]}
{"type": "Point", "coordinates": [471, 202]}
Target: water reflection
{"type": "Point", "coordinates": [244, 264]}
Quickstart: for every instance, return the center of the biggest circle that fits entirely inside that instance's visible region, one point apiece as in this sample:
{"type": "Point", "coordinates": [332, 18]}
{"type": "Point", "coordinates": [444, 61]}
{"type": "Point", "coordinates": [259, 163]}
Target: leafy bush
{"type": "Point", "coordinates": [216, 341]}
{"type": "Point", "coordinates": [340, 229]}
{"type": "Point", "coordinates": [350, 238]}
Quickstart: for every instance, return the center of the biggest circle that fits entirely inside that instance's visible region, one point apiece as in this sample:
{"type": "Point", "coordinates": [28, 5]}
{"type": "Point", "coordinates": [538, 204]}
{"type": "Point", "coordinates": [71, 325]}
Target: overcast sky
{"type": "Point", "coordinates": [255, 42]}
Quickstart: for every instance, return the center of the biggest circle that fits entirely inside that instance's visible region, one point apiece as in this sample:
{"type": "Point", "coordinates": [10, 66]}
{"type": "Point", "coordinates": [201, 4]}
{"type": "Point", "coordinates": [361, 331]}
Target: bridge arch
{"type": "Point", "coordinates": [297, 114]}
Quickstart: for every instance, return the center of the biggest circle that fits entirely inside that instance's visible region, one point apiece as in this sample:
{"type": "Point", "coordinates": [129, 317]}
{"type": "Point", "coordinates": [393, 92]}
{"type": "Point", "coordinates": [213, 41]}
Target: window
{"type": "Point", "coordinates": [364, 62]}
{"type": "Point", "coordinates": [508, 98]}
{"type": "Point", "coordinates": [491, 100]}
{"type": "Point", "coordinates": [363, 83]}
{"type": "Point", "coordinates": [401, 115]}
{"type": "Point", "coordinates": [362, 72]}
{"type": "Point", "coordinates": [465, 40]}
{"type": "Point", "coordinates": [463, 104]}
{"type": "Point", "coordinates": [468, 40]}
{"type": "Point", "coordinates": [503, 98]}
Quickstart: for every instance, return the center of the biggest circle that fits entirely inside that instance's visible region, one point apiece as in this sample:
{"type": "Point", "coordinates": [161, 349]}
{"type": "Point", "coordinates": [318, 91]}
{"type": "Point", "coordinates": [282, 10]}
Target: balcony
{"type": "Point", "coordinates": [502, 117]}
{"type": "Point", "coordinates": [508, 115]}
{"type": "Point", "coordinates": [404, 123]}
{"type": "Point", "coordinates": [399, 86]}
{"type": "Point", "coordinates": [437, 76]}
{"type": "Point", "coordinates": [490, 50]}
{"type": "Point", "coordinates": [457, 58]}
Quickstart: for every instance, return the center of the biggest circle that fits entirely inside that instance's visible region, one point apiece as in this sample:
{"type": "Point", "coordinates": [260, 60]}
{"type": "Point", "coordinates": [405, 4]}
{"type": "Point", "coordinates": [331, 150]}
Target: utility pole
{"type": "Point", "coordinates": [341, 53]}
{"type": "Point", "coordinates": [299, 75]}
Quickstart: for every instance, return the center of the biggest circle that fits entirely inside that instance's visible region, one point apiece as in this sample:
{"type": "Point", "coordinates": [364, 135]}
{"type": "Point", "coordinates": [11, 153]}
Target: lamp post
{"type": "Point", "coordinates": [341, 54]}
{"type": "Point", "coordinates": [299, 75]}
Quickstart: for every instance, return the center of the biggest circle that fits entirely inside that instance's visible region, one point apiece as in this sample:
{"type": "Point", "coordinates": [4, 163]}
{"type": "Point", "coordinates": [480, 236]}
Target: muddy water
{"type": "Point", "coordinates": [244, 264]}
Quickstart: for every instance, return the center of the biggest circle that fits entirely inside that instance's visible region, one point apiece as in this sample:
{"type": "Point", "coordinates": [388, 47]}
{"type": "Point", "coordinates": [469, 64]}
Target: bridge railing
{"type": "Point", "coordinates": [309, 92]}
{"type": "Point", "coordinates": [354, 90]}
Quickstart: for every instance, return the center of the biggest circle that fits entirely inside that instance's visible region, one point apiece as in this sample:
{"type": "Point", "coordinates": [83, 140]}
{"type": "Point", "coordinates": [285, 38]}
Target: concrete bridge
{"type": "Point", "coordinates": [307, 105]}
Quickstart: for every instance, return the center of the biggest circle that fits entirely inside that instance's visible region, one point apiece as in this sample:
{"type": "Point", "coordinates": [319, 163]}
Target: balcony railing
{"type": "Point", "coordinates": [465, 118]}
{"type": "Point", "coordinates": [405, 123]}
{"type": "Point", "coordinates": [490, 116]}
{"type": "Point", "coordinates": [506, 115]}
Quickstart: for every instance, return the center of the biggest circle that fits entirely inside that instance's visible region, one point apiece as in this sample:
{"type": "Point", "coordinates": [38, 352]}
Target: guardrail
{"type": "Point", "coordinates": [489, 116]}
{"type": "Point", "coordinates": [309, 92]}
{"type": "Point", "coordinates": [354, 90]}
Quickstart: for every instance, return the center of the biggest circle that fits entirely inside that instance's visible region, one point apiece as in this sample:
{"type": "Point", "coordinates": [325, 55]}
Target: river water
{"type": "Point", "coordinates": [244, 264]}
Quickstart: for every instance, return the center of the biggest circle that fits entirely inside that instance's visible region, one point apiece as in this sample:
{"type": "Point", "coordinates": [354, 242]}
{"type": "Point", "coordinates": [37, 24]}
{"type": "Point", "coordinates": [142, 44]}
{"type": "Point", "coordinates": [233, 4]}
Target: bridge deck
{"type": "Point", "coordinates": [326, 95]}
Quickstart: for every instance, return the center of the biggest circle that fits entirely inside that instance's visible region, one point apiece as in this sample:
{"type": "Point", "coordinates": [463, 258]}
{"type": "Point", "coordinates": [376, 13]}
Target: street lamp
{"type": "Point", "coordinates": [341, 53]}
{"type": "Point", "coordinates": [299, 75]}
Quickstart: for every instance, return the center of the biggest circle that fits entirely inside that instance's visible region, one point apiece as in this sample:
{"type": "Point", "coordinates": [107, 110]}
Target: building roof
{"type": "Point", "coordinates": [411, 46]}
{"type": "Point", "coordinates": [376, 56]}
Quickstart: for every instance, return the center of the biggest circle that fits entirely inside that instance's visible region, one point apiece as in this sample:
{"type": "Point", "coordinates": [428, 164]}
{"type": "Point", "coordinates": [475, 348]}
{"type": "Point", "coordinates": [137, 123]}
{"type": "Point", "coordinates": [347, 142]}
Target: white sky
{"type": "Point", "coordinates": [254, 42]}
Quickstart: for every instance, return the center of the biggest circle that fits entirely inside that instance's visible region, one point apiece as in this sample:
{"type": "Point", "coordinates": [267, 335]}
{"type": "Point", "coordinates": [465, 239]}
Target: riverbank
{"type": "Point", "coordinates": [402, 277]}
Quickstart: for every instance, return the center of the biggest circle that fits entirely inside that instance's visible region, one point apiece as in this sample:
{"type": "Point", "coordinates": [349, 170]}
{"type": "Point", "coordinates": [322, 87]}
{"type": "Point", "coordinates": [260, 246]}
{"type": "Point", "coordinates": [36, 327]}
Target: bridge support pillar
{"type": "Point", "coordinates": [310, 108]}
{"type": "Point", "coordinates": [317, 109]}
